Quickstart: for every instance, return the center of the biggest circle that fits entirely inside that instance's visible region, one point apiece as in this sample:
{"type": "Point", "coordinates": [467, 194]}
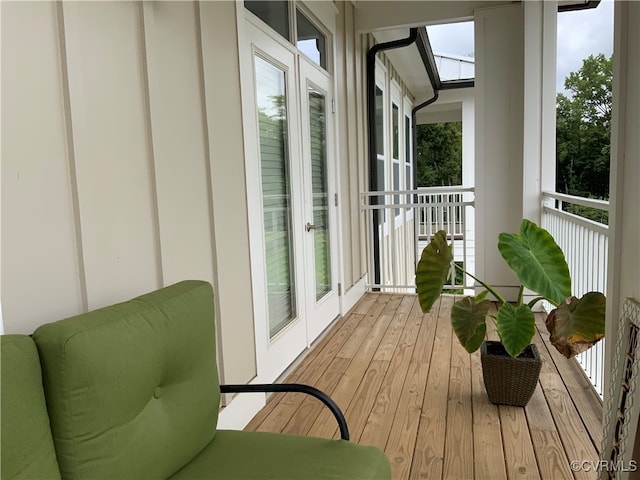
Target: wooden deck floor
{"type": "Point", "coordinates": [408, 387]}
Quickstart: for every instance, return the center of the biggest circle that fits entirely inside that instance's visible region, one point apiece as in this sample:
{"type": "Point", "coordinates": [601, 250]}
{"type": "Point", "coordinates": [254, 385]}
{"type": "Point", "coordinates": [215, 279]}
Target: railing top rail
{"type": "Point", "coordinates": [413, 205]}
{"type": "Point", "coordinates": [578, 220]}
{"type": "Point", "coordinates": [419, 191]}
{"type": "Point", "coordinates": [585, 202]}
{"type": "Point", "coordinates": [445, 189]}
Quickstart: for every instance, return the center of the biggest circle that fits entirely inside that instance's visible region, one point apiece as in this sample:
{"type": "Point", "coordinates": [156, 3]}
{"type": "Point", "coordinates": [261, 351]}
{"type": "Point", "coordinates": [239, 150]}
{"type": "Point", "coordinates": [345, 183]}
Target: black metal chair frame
{"type": "Point", "coordinates": [296, 388]}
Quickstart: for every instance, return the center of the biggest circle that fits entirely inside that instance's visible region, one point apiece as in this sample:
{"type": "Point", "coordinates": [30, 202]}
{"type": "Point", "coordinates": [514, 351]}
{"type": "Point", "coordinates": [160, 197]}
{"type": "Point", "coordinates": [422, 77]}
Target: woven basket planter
{"type": "Point", "coordinates": [508, 380]}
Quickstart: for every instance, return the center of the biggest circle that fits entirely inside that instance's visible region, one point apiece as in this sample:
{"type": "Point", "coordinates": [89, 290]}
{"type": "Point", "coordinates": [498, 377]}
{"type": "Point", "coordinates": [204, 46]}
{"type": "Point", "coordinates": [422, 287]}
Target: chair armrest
{"type": "Point", "coordinates": [297, 388]}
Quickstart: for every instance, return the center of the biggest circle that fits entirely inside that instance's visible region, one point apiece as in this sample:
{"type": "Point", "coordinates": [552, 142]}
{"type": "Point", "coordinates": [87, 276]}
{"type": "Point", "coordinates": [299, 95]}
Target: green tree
{"type": "Point", "coordinates": [583, 122]}
{"type": "Point", "coordinates": [439, 148]}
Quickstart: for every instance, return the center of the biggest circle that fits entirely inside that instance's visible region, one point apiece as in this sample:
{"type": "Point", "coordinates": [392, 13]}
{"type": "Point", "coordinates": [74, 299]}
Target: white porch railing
{"type": "Point", "coordinates": [585, 244]}
{"type": "Point", "coordinates": [401, 223]}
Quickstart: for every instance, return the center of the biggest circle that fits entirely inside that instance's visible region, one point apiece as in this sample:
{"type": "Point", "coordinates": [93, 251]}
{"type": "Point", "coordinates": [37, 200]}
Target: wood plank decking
{"type": "Point", "coordinates": [407, 386]}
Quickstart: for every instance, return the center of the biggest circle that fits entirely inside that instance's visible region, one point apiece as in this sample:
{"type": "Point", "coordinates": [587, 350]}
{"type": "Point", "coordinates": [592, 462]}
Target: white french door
{"type": "Point", "coordinates": [322, 301]}
{"type": "Point", "coordinates": [290, 172]}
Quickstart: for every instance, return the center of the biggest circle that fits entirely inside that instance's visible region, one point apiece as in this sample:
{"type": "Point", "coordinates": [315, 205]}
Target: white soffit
{"type": "Point", "coordinates": [373, 15]}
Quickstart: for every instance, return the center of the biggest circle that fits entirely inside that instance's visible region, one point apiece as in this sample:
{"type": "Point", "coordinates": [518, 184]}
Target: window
{"type": "Point", "coordinates": [308, 38]}
{"type": "Point", "coordinates": [408, 153]}
{"type": "Point", "coordinates": [379, 121]}
{"type": "Point", "coordinates": [274, 13]}
{"type": "Point", "coordinates": [395, 134]}
{"type": "Point", "coordinates": [311, 41]}
{"type": "Point", "coordinates": [380, 136]}
{"type": "Point", "coordinates": [395, 152]}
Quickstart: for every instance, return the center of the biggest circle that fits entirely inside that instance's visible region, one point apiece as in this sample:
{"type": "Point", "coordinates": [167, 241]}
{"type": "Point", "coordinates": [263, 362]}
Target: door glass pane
{"type": "Point", "coordinates": [276, 194]}
{"type": "Point", "coordinates": [321, 234]}
{"type": "Point", "coordinates": [311, 41]}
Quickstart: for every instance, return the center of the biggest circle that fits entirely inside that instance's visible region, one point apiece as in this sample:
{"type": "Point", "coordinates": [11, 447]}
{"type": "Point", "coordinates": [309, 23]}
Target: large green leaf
{"type": "Point", "coordinates": [468, 319]}
{"type": "Point", "coordinates": [537, 260]}
{"type": "Point", "coordinates": [433, 270]}
{"type": "Point", "coordinates": [516, 327]}
{"type": "Point", "coordinates": [577, 324]}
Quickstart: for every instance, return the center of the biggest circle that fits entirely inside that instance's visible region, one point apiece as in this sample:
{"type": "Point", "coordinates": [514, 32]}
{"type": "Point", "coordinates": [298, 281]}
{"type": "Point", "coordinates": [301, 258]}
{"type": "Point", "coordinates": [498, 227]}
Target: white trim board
{"type": "Point", "coordinates": [351, 296]}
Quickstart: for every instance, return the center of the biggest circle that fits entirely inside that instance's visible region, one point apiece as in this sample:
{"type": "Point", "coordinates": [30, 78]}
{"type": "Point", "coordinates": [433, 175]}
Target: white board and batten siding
{"type": "Point", "coordinates": [114, 156]}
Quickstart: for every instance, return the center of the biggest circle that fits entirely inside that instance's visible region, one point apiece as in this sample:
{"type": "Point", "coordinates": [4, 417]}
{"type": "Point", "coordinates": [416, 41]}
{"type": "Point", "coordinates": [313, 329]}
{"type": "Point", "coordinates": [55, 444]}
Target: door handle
{"type": "Point", "coordinates": [309, 227]}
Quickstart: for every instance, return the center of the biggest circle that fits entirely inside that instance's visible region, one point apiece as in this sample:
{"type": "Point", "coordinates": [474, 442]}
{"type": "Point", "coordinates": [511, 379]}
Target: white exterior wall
{"type": "Point", "coordinates": [122, 162]}
{"type": "Point", "coordinates": [350, 85]}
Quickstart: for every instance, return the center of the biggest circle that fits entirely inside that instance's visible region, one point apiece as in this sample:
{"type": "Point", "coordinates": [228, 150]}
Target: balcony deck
{"type": "Point", "coordinates": [408, 387]}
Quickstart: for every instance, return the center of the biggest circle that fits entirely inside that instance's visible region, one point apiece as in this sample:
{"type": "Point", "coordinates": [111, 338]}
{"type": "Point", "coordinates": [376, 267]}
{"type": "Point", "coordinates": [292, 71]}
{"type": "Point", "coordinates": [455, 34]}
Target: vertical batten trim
{"type": "Point", "coordinates": [153, 180]}
{"type": "Point", "coordinates": [73, 176]}
{"type": "Point", "coordinates": [209, 169]}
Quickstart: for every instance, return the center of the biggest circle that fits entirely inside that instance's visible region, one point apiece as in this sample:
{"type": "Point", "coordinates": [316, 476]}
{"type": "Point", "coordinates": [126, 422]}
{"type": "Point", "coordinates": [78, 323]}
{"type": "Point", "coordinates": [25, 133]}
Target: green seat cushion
{"type": "Point", "coordinates": [25, 434]}
{"type": "Point", "coordinates": [236, 455]}
{"type": "Point", "coordinates": [132, 389]}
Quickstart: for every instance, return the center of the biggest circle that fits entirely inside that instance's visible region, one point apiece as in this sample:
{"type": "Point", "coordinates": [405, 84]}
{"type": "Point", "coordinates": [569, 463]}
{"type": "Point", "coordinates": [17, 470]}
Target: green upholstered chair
{"type": "Point", "coordinates": [132, 392]}
{"type": "Point", "coordinates": [26, 446]}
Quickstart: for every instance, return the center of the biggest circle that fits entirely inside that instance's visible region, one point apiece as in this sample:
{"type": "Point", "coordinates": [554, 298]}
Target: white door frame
{"type": "Point", "coordinates": [256, 39]}
{"type": "Point", "coordinates": [271, 358]}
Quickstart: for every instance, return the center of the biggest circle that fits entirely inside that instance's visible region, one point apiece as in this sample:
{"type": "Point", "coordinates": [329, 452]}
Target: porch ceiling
{"type": "Point", "coordinates": [375, 15]}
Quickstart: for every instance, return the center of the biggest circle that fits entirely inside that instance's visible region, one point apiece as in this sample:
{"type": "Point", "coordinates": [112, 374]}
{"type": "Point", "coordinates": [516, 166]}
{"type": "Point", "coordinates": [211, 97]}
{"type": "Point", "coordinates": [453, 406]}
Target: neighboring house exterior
{"type": "Point", "coordinates": [145, 143]}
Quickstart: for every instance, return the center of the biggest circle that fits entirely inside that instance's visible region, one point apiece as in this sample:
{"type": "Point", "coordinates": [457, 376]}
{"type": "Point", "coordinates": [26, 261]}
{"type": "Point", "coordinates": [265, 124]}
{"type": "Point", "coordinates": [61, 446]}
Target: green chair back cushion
{"type": "Point", "coordinates": [25, 435]}
{"type": "Point", "coordinates": [132, 389]}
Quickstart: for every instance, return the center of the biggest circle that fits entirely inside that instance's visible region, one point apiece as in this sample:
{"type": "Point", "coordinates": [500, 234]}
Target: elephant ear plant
{"type": "Point", "coordinates": [575, 324]}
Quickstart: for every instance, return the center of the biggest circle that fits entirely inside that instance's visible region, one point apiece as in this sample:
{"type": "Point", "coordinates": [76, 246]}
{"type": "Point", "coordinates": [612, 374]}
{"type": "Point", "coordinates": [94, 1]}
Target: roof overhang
{"type": "Point", "coordinates": [408, 63]}
{"type": "Point", "coordinates": [571, 5]}
{"type": "Point", "coordinates": [373, 15]}
{"type": "Point", "coordinates": [390, 20]}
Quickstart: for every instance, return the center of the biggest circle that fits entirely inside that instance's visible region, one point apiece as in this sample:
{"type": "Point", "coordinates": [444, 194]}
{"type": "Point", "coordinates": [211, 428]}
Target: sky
{"type": "Point", "coordinates": [580, 34]}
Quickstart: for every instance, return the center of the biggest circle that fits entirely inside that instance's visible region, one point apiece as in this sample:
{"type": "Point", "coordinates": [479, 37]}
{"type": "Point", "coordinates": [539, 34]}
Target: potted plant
{"type": "Point", "coordinates": [575, 324]}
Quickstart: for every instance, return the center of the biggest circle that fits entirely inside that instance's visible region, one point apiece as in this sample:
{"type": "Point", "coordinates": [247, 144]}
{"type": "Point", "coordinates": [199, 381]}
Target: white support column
{"type": "Point", "coordinates": [515, 125]}
{"type": "Point", "coordinates": [624, 218]}
{"type": "Point", "coordinates": [549, 49]}
{"type": "Point", "coordinates": [539, 135]}
{"type": "Point", "coordinates": [499, 120]}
